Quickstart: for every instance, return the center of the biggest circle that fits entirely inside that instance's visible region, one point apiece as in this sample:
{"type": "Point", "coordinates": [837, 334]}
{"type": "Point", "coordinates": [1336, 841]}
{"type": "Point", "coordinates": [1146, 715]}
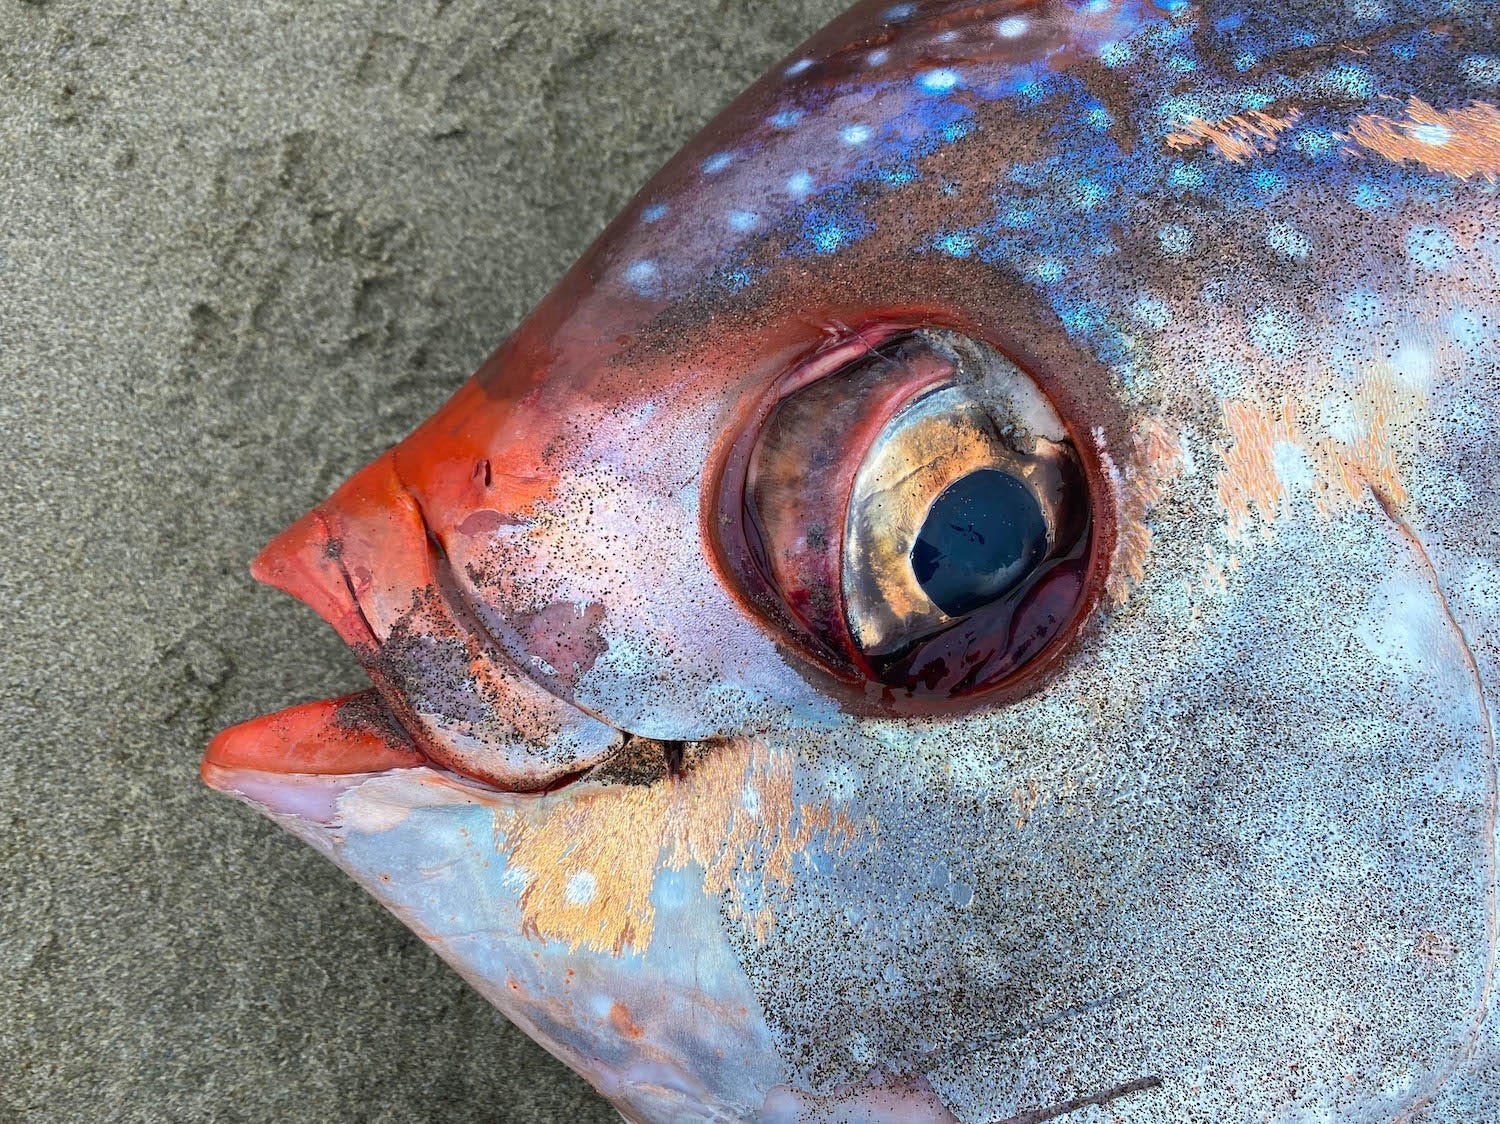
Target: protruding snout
{"type": "Point", "coordinates": [370, 564]}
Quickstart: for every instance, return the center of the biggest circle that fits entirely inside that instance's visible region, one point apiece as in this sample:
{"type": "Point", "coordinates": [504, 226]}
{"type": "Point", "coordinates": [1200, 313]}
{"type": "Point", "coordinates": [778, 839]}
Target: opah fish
{"type": "Point", "coordinates": [975, 597]}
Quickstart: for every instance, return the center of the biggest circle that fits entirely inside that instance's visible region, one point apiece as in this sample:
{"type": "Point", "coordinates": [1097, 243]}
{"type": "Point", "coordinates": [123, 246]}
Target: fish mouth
{"type": "Point", "coordinates": [445, 693]}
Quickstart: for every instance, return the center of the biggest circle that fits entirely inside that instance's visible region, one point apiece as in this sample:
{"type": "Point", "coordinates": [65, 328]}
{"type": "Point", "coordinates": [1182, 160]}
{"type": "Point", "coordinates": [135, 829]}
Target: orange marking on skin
{"type": "Point", "coordinates": [1236, 139]}
{"type": "Point", "coordinates": [1463, 143]}
{"type": "Point", "coordinates": [1156, 463]}
{"type": "Point", "coordinates": [619, 1018]}
{"type": "Point", "coordinates": [1343, 472]}
{"type": "Point", "coordinates": [1248, 482]}
{"type": "Point", "coordinates": [733, 815]}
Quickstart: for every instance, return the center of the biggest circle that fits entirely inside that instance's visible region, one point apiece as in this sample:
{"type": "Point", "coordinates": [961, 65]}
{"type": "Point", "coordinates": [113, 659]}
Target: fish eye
{"type": "Point", "coordinates": [911, 511]}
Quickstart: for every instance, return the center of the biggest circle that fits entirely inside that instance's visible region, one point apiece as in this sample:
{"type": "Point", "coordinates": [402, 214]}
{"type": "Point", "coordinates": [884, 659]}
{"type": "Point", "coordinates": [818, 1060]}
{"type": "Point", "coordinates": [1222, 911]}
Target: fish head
{"type": "Point", "coordinates": [975, 595]}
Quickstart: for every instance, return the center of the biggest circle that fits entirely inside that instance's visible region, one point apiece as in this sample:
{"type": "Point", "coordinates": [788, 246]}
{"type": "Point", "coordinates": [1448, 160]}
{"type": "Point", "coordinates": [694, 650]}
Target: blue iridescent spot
{"type": "Point", "coordinates": [653, 212]}
{"type": "Point", "coordinates": [1031, 91]}
{"type": "Point", "coordinates": [1432, 133]}
{"type": "Point", "coordinates": [1115, 54]}
{"type": "Point", "coordinates": [828, 236]}
{"type": "Point", "coordinates": [717, 162]}
{"type": "Point", "coordinates": [1079, 317]}
{"type": "Point", "coordinates": [642, 276]}
{"type": "Point", "coordinates": [1087, 194]}
{"type": "Point", "coordinates": [1017, 217]}
{"type": "Point", "coordinates": [1099, 118]}
{"type": "Point", "coordinates": [1185, 175]}
{"type": "Point", "coordinates": [900, 11]}
{"type": "Point", "coordinates": [958, 245]}
{"type": "Point", "coordinates": [1370, 197]}
{"type": "Point", "coordinates": [1267, 181]}
{"type": "Point", "coordinates": [938, 81]}
{"type": "Point", "coordinates": [799, 183]}
{"type": "Point", "coordinates": [786, 118]}
{"type": "Point", "coordinates": [1317, 142]}
{"type": "Point", "coordinates": [742, 220]}
{"type": "Point", "coordinates": [1047, 270]}
{"type": "Point", "coordinates": [855, 134]}
{"type": "Point", "coordinates": [797, 67]}
{"type": "Point", "coordinates": [1011, 27]}
{"type": "Point", "coordinates": [1482, 70]}
{"type": "Point", "coordinates": [1348, 81]}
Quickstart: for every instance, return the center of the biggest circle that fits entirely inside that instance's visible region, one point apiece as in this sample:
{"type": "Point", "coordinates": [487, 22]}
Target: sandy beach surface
{"type": "Point", "coordinates": [243, 248]}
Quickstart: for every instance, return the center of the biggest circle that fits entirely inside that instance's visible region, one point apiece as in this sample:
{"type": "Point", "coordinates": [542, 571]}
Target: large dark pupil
{"type": "Point", "coordinates": [983, 535]}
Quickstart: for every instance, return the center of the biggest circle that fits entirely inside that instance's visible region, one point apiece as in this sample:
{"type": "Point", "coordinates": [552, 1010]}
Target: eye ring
{"type": "Point", "coordinates": [822, 638]}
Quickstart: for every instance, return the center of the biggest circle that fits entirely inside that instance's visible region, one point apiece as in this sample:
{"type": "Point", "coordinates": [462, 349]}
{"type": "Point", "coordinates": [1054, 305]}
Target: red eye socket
{"type": "Point", "coordinates": [910, 510]}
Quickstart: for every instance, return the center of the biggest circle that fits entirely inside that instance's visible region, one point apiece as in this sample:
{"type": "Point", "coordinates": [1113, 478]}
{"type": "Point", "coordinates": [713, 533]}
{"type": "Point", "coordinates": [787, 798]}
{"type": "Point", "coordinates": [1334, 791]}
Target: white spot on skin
{"type": "Point", "coordinates": [855, 134]}
{"type": "Point", "coordinates": [1404, 628]}
{"type": "Point", "coordinates": [750, 801]}
{"type": "Point", "coordinates": [641, 275]}
{"type": "Point", "coordinates": [1337, 417]}
{"type": "Point", "coordinates": [717, 163]}
{"type": "Point", "coordinates": [875, 58]}
{"type": "Point", "coordinates": [1175, 239]}
{"type": "Point", "coordinates": [1432, 247]}
{"type": "Point", "coordinates": [1293, 467]}
{"type": "Point", "coordinates": [1152, 312]}
{"type": "Point", "coordinates": [1432, 133]}
{"type": "Point", "coordinates": [1012, 27]}
{"type": "Point", "coordinates": [581, 888]}
{"type": "Point", "coordinates": [742, 220]}
{"type": "Point", "coordinates": [799, 184]}
{"type": "Point", "coordinates": [1286, 239]}
{"type": "Point", "coordinates": [938, 81]}
{"type": "Point", "coordinates": [797, 67]}
{"type": "Point", "coordinates": [1414, 365]}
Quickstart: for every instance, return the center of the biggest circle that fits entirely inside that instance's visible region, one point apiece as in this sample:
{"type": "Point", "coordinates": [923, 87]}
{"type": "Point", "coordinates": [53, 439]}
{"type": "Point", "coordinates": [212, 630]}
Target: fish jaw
{"type": "Point", "coordinates": [368, 561]}
{"type": "Point", "coordinates": [632, 977]}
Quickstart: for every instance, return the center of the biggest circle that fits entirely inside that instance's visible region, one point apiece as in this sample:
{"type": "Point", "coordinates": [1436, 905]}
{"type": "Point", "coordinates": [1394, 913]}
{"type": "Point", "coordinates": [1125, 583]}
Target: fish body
{"type": "Point", "coordinates": [741, 822]}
